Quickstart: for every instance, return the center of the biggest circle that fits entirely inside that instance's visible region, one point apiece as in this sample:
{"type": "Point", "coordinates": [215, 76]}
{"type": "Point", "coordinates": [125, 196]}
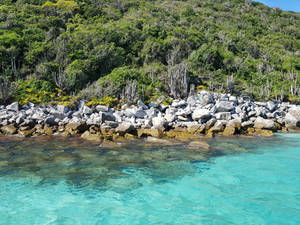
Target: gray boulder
{"type": "Point", "coordinates": [140, 113]}
{"type": "Point", "coordinates": [223, 116]}
{"type": "Point", "coordinates": [225, 106]}
{"type": "Point", "coordinates": [142, 104]}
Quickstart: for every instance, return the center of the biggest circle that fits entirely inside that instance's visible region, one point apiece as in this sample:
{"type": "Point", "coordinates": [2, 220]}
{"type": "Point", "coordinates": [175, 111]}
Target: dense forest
{"type": "Point", "coordinates": [110, 50]}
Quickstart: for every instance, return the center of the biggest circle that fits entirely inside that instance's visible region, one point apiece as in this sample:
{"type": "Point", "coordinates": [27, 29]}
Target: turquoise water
{"type": "Point", "coordinates": [67, 181]}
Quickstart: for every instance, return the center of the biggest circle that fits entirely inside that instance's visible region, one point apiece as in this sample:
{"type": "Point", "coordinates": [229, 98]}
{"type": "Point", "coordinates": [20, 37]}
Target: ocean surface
{"type": "Point", "coordinates": [67, 181]}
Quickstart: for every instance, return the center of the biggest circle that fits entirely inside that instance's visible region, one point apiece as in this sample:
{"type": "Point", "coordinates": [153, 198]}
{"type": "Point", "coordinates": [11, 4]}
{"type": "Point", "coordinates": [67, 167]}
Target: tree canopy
{"type": "Point", "coordinates": [82, 46]}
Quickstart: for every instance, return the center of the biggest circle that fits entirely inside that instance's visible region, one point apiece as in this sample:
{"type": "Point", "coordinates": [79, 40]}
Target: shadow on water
{"type": "Point", "coordinates": [82, 164]}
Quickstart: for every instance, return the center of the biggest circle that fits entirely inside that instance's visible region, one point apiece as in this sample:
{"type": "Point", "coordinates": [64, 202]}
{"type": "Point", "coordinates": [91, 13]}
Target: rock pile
{"type": "Point", "coordinates": [204, 114]}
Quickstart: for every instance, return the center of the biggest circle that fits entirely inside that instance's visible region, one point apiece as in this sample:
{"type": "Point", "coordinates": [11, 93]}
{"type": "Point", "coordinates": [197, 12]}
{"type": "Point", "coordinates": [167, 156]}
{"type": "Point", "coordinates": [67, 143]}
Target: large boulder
{"type": "Point", "coordinates": [200, 113]}
{"type": "Point", "coordinates": [292, 118]}
{"type": "Point", "coordinates": [261, 123]}
{"type": "Point", "coordinates": [159, 121]}
{"type": "Point", "coordinates": [76, 128]}
{"type": "Point", "coordinates": [225, 106]}
{"type": "Point", "coordinates": [124, 128]}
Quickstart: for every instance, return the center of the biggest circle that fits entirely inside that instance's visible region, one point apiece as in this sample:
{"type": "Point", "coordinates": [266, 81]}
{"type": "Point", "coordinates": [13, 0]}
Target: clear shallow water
{"type": "Point", "coordinates": [67, 181]}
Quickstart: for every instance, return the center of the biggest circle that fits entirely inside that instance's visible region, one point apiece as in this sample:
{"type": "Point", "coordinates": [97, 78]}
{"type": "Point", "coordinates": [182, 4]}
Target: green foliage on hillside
{"type": "Point", "coordinates": [136, 49]}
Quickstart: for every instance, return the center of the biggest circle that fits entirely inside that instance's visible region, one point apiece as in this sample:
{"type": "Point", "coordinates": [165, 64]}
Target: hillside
{"type": "Point", "coordinates": [124, 49]}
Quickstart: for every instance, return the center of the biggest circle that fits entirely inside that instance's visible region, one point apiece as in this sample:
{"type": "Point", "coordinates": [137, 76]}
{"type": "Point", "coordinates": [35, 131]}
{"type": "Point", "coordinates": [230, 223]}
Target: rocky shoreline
{"type": "Point", "coordinates": [203, 115]}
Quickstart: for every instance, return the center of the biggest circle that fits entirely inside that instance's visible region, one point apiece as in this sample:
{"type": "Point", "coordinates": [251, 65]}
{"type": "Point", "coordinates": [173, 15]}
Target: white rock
{"type": "Point", "coordinates": [200, 113]}
{"type": "Point", "coordinates": [13, 106]}
{"type": "Point", "coordinates": [159, 121]}
{"type": "Point", "coordinates": [102, 108]}
{"type": "Point", "coordinates": [262, 123]}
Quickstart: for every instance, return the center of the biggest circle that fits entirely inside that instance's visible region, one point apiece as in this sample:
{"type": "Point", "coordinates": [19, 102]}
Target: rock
{"type": "Point", "coordinates": [76, 128]}
{"type": "Point", "coordinates": [210, 123]}
{"type": "Point", "coordinates": [13, 106]}
{"type": "Point", "coordinates": [124, 128]}
{"type": "Point", "coordinates": [57, 114]}
{"type": "Point", "coordinates": [48, 131]}
{"type": "Point", "coordinates": [62, 108]}
{"type": "Point", "coordinates": [159, 141]}
{"type": "Point", "coordinates": [291, 122]}
{"type": "Point", "coordinates": [202, 145]}
{"type": "Point", "coordinates": [153, 132]}
{"type": "Point", "coordinates": [261, 123]}
{"type": "Point", "coordinates": [271, 106]}
{"type": "Point", "coordinates": [179, 103]}
{"type": "Point", "coordinates": [236, 123]}
{"type": "Point", "coordinates": [229, 130]}
{"type": "Point", "coordinates": [102, 108]}
{"type": "Point", "coordinates": [25, 133]}
{"type": "Point", "coordinates": [87, 110]}
{"type": "Point", "coordinates": [233, 99]}
{"type": "Point", "coordinates": [153, 105]}
{"type": "Point", "coordinates": [91, 137]}
{"type": "Point", "coordinates": [200, 113]}
{"type": "Point", "coordinates": [140, 114]}
{"type": "Point", "coordinates": [191, 100]}
{"type": "Point", "coordinates": [130, 136]}
{"type": "Point", "coordinates": [170, 117]}
{"type": "Point", "coordinates": [140, 103]}
{"type": "Point", "coordinates": [180, 133]}
{"type": "Point", "coordinates": [184, 112]}
{"type": "Point", "coordinates": [159, 122]}
{"type": "Point", "coordinates": [225, 106]}
{"type": "Point", "coordinates": [196, 129]}
{"type": "Point", "coordinates": [205, 98]}
{"type": "Point", "coordinates": [292, 118]}
{"type": "Point", "coordinates": [260, 132]}
{"type": "Point", "coordinates": [182, 118]}
{"type": "Point", "coordinates": [223, 116]}
{"type": "Point", "coordinates": [107, 116]}
{"type": "Point", "coordinates": [8, 129]}
{"type": "Point", "coordinates": [219, 126]}
{"type": "Point", "coordinates": [112, 124]}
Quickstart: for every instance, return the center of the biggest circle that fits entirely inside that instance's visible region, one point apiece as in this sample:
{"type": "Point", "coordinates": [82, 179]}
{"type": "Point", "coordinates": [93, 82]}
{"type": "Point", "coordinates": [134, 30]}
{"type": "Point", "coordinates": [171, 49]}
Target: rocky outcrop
{"type": "Point", "coordinates": [207, 114]}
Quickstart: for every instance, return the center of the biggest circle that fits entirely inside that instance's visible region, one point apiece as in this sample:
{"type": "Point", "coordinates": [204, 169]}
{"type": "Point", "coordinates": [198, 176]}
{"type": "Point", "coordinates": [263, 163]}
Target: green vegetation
{"type": "Point", "coordinates": [102, 50]}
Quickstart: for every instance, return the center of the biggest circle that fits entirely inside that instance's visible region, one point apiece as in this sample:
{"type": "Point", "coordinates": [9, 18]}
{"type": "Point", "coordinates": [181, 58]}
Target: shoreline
{"type": "Point", "coordinates": [204, 115]}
